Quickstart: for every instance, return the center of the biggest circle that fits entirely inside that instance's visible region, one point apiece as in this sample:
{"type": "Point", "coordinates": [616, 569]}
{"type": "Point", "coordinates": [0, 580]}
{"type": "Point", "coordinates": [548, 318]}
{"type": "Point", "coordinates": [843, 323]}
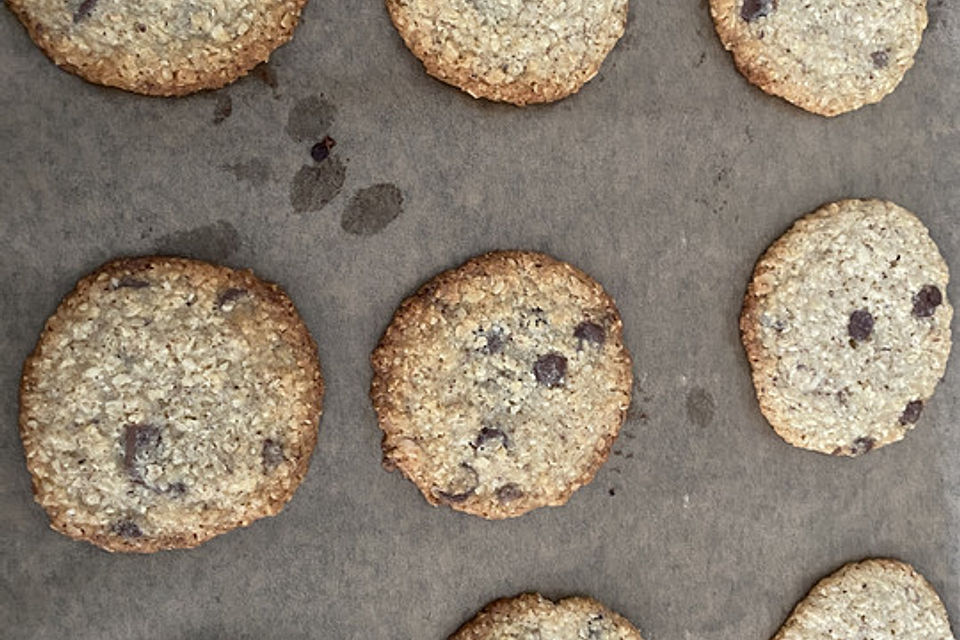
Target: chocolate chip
{"type": "Point", "coordinates": [140, 441]}
{"type": "Point", "coordinates": [461, 487]}
{"type": "Point", "coordinates": [880, 59]}
{"type": "Point", "coordinates": [84, 10]}
{"type": "Point", "coordinates": [861, 325]}
{"type": "Point", "coordinates": [127, 529]}
{"type": "Point", "coordinates": [129, 282]}
{"type": "Point", "coordinates": [590, 332]}
{"type": "Point", "coordinates": [272, 454]}
{"type": "Point", "coordinates": [753, 9]}
{"type": "Point", "coordinates": [495, 340]}
{"type": "Point", "coordinates": [489, 434]}
{"type": "Point", "coordinates": [142, 28]}
{"type": "Point", "coordinates": [509, 493]}
{"type": "Point", "coordinates": [912, 412]}
{"type": "Point", "coordinates": [230, 295]}
{"type": "Point", "coordinates": [926, 301]}
{"type": "Point", "coordinates": [321, 150]}
{"type": "Point", "coordinates": [550, 370]}
{"type": "Point", "coordinates": [862, 445]}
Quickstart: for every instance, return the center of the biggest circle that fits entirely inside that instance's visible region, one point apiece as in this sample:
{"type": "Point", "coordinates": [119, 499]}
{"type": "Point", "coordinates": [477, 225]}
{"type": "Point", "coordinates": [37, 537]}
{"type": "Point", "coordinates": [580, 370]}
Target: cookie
{"type": "Point", "coordinates": [501, 384]}
{"type": "Point", "coordinates": [166, 48]}
{"type": "Point", "coordinates": [876, 598]}
{"type": "Point", "coordinates": [168, 401]}
{"type": "Point", "coordinates": [531, 616]}
{"type": "Point", "coordinates": [826, 56]}
{"type": "Point", "coordinates": [518, 51]}
{"type": "Point", "coordinates": [847, 327]}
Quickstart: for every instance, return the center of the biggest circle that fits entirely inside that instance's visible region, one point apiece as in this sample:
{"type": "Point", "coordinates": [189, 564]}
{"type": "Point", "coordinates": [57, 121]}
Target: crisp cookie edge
{"type": "Point", "coordinates": [299, 338]}
{"type": "Point", "coordinates": [756, 354]}
{"type": "Point", "coordinates": [390, 345]}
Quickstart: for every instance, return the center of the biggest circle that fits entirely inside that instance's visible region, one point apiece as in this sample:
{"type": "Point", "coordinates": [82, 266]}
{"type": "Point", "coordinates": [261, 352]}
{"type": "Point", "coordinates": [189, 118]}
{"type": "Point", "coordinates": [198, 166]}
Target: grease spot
{"type": "Point", "coordinates": [213, 242]}
{"type": "Point", "coordinates": [256, 171]}
{"type": "Point", "coordinates": [265, 74]}
{"type": "Point", "coordinates": [310, 119]}
{"type": "Point", "coordinates": [372, 209]}
{"type": "Point", "coordinates": [315, 185]}
{"type": "Point", "coordinates": [223, 110]}
{"type": "Point", "coordinates": [700, 407]}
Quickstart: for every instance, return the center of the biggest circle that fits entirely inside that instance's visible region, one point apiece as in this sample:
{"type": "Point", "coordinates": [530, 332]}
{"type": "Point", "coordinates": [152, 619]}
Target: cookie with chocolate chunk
{"type": "Point", "coordinates": [163, 48]}
{"type": "Point", "coordinates": [847, 327]}
{"type": "Point", "coordinates": [530, 615]}
{"type": "Point", "coordinates": [501, 384]}
{"type": "Point", "coordinates": [518, 51]}
{"type": "Point", "coordinates": [875, 598]}
{"type": "Point", "coordinates": [826, 56]}
{"type": "Point", "coordinates": [168, 401]}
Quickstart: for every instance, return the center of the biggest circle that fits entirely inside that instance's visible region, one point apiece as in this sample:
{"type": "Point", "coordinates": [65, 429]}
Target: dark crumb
{"type": "Point", "coordinates": [320, 151]}
{"type": "Point", "coordinates": [612, 492]}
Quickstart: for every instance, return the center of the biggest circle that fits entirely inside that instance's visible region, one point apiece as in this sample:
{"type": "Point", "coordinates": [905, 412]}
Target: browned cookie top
{"type": "Point", "coordinates": [161, 47]}
{"type": "Point", "coordinates": [530, 616]}
{"type": "Point", "coordinates": [167, 401]}
{"type": "Point", "coordinates": [501, 384]}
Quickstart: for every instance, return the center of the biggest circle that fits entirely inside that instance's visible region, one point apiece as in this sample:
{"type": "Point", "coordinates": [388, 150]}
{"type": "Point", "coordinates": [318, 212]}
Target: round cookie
{"type": "Point", "coordinates": [826, 56]}
{"type": "Point", "coordinates": [876, 598]}
{"type": "Point", "coordinates": [501, 384]}
{"type": "Point", "coordinates": [847, 327]}
{"type": "Point", "coordinates": [168, 401]}
{"type": "Point", "coordinates": [518, 51]}
{"type": "Point", "coordinates": [168, 48]}
{"type": "Point", "coordinates": [531, 616]}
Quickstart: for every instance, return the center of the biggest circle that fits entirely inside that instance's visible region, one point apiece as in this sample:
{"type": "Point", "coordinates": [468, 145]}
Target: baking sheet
{"type": "Point", "coordinates": [664, 179]}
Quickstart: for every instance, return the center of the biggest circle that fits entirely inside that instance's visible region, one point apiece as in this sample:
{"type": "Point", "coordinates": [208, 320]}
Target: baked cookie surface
{"type": "Point", "coordinates": [847, 327]}
{"type": "Point", "coordinates": [875, 598]}
{"type": "Point", "coordinates": [165, 48]}
{"type": "Point", "coordinates": [530, 616]}
{"type": "Point", "coordinates": [501, 384]}
{"type": "Point", "coordinates": [518, 51]}
{"type": "Point", "coordinates": [168, 401]}
{"type": "Point", "coordinates": [826, 56]}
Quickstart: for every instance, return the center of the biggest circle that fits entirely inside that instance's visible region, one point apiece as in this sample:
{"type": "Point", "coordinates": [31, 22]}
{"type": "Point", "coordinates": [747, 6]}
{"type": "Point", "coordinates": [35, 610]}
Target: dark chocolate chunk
{"type": "Point", "coordinates": [880, 59]}
{"type": "Point", "coordinates": [462, 487]}
{"type": "Point", "coordinates": [926, 301]}
{"type": "Point", "coordinates": [271, 453]}
{"type": "Point", "coordinates": [140, 441]}
{"type": "Point", "coordinates": [590, 332]}
{"type": "Point", "coordinates": [495, 338]}
{"type": "Point", "coordinates": [550, 370]}
{"type": "Point", "coordinates": [912, 412]}
{"type": "Point", "coordinates": [320, 151]}
{"type": "Point", "coordinates": [127, 529]}
{"type": "Point", "coordinates": [84, 10]}
{"type": "Point", "coordinates": [862, 445]}
{"type": "Point", "coordinates": [230, 295]}
{"type": "Point", "coordinates": [861, 325]}
{"type": "Point", "coordinates": [509, 493]}
{"type": "Point", "coordinates": [129, 282]}
{"type": "Point", "coordinates": [753, 9]}
{"type": "Point", "coordinates": [490, 434]}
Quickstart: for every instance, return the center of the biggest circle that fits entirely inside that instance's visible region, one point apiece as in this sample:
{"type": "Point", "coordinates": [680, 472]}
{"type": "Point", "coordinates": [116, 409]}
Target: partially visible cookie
{"type": "Point", "coordinates": [162, 48]}
{"type": "Point", "coordinates": [530, 616]}
{"type": "Point", "coordinates": [168, 401]}
{"type": "Point", "coordinates": [847, 327]}
{"type": "Point", "coordinates": [501, 384]}
{"type": "Point", "coordinates": [876, 598]}
{"type": "Point", "coordinates": [518, 51]}
{"type": "Point", "coordinates": [826, 56]}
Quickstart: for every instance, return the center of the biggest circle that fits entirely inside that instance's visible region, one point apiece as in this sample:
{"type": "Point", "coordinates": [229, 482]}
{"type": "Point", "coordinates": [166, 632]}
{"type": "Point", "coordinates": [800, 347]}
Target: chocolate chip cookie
{"type": "Point", "coordinates": [501, 384]}
{"type": "Point", "coordinates": [530, 615]}
{"type": "Point", "coordinates": [826, 56]}
{"type": "Point", "coordinates": [163, 48]}
{"type": "Point", "coordinates": [847, 327]}
{"type": "Point", "coordinates": [518, 51]}
{"type": "Point", "coordinates": [168, 401]}
{"type": "Point", "coordinates": [876, 598]}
